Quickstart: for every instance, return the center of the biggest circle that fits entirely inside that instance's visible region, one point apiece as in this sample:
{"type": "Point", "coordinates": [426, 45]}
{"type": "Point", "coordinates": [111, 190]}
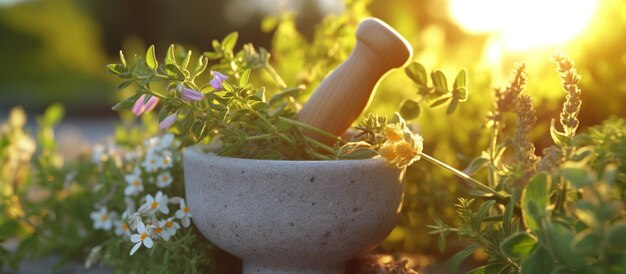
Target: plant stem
{"type": "Point", "coordinates": [320, 145]}
{"type": "Point", "coordinates": [492, 149]}
{"type": "Point", "coordinates": [259, 137]}
{"type": "Point", "coordinates": [279, 81]}
{"type": "Point", "coordinates": [464, 176]}
{"type": "Point", "coordinates": [156, 94]}
{"type": "Point", "coordinates": [310, 128]}
{"type": "Point", "coordinates": [319, 156]}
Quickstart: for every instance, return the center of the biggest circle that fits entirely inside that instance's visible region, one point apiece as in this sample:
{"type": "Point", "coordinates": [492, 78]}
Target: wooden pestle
{"type": "Point", "coordinates": [343, 95]}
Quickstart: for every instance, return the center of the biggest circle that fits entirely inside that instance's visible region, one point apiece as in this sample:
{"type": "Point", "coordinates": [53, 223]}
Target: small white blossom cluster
{"type": "Point", "coordinates": [152, 220]}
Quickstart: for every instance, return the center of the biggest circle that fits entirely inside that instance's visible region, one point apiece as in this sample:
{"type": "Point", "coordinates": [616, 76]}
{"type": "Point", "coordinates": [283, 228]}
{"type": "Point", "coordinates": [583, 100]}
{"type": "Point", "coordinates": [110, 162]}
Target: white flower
{"type": "Point", "coordinates": [102, 219]}
{"type": "Point", "coordinates": [132, 219]}
{"type": "Point", "coordinates": [151, 144]}
{"type": "Point", "coordinates": [157, 203]}
{"type": "Point", "coordinates": [143, 236]}
{"type": "Point", "coordinates": [165, 141]}
{"type": "Point", "coordinates": [97, 153]}
{"type": "Point", "coordinates": [122, 228]}
{"type": "Point", "coordinates": [164, 179]}
{"type": "Point", "coordinates": [152, 162]}
{"type": "Point", "coordinates": [183, 214]}
{"type": "Point", "coordinates": [135, 184]}
{"type": "Point", "coordinates": [171, 227]}
{"type": "Point", "coordinates": [161, 231]}
{"type": "Point", "coordinates": [165, 161]}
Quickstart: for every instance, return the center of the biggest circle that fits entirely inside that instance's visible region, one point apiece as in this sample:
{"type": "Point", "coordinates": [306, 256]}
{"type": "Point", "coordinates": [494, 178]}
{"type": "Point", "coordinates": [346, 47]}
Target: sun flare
{"type": "Point", "coordinates": [524, 24]}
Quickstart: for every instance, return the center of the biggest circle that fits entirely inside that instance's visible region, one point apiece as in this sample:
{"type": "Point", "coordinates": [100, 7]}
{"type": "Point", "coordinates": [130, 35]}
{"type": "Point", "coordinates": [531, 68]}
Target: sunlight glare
{"type": "Point", "coordinates": [524, 24]}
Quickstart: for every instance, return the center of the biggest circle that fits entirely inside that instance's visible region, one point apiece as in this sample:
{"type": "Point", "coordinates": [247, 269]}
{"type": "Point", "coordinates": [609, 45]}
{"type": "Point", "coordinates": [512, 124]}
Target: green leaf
{"type": "Point", "coordinates": [117, 69]}
{"type": "Point", "coordinates": [201, 66]}
{"type": "Point", "coordinates": [583, 154]}
{"type": "Point", "coordinates": [458, 258]}
{"type": "Point", "coordinates": [122, 58]}
{"type": "Point", "coordinates": [481, 213]}
{"type": "Point", "coordinates": [186, 60]}
{"type": "Point", "coordinates": [440, 101]}
{"type": "Point", "coordinates": [587, 242]}
{"type": "Point", "coordinates": [439, 81]}
{"type": "Point", "coordinates": [53, 114]}
{"type": "Point", "coordinates": [493, 268]}
{"type": "Point", "coordinates": [536, 193]}
{"type": "Point", "coordinates": [579, 177]}
{"type": "Point", "coordinates": [245, 77]}
{"type": "Point", "coordinates": [174, 72]}
{"type": "Point", "coordinates": [360, 153]}
{"type": "Point", "coordinates": [124, 84]}
{"type": "Point", "coordinates": [212, 55]}
{"type": "Point", "coordinates": [539, 261]}
{"type": "Point", "coordinates": [560, 240]}
{"type": "Point", "coordinates": [151, 60]}
{"type": "Point", "coordinates": [417, 73]}
{"type": "Point", "coordinates": [559, 138]}
{"type": "Point", "coordinates": [461, 80]}
{"type": "Point", "coordinates": [452, 106]}
{"type": "Point", "coordinates": [170, 58]}
{"type": "Point", "coordinates": [261, 94]}
{"type": "Point", "coordinates": [228, 44]}
{"type": "Point", "coordinates": [617, 234]}
{"type": "Point", "coordinates": [409, 109]}
{"type": "Point", "coordinates": [507, 220]}
{"type": "Point", "coordinates": [441, 242]}
{"type": "Point", "coordinates": [259, 105]}
{"type": "Point", "coordinates": [476, 164]}
{"type": "Point", "coordinates": [227, 86]}
{"type": "Point", "coordinates": [518, 245]}
{"type": "Point", "coordinates": [461, 94]}
{"type": "Point", "coordinates": [126, 103]}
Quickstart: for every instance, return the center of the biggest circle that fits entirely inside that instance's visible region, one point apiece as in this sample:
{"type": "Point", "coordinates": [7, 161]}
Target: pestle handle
{"type": "Point", "coordinates": [343, 95]}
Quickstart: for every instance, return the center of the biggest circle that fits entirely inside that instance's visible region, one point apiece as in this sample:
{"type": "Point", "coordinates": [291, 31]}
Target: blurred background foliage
{"type": "Point", "coordinates": [56, 51]}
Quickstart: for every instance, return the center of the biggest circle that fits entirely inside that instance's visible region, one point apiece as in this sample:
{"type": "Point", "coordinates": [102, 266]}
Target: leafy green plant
{"type": "Point", "coordinates": [48, 204]}
{"type": "Point", "coordinates": [562, 213]}
{"type": "Point", "coordinates": [229, 109]}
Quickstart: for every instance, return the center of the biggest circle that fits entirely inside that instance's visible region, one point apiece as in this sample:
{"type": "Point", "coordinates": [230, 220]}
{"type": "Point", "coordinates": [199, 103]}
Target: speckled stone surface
{"type": "Point", "coordinates": [292, 216]}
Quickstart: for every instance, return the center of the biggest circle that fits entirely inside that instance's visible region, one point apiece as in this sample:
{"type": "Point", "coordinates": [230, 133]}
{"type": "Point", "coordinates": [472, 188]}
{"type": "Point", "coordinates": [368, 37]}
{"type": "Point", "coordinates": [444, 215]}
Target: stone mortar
{"type": "Point", "coordinates": [292, 216]}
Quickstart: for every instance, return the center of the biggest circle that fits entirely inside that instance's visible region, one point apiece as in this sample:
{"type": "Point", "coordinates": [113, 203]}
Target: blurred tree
{"type": "Point", "coordinates": [51, 53]}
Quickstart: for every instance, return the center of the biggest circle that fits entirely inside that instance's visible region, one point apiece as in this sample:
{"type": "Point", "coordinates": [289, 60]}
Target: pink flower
{"type": "Point", "coordinates": [217, 80]}
{"type": "Point", "coordinates": [168, 121]}
{"type": "Point", "coordinates": [191, 95]}
{"type": "Point", "coordinates": [139, 107]}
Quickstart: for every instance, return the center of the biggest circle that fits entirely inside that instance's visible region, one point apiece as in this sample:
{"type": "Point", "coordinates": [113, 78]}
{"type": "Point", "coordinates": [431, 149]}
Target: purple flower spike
{"type": "Point", "coordinates": [191, 95]}
{"type": "Point", "coordinates": [168, 121]}
{"type": "Point", "coordinates": [217, 80]}
{"type": "Point", "coordinates": [139, 107]}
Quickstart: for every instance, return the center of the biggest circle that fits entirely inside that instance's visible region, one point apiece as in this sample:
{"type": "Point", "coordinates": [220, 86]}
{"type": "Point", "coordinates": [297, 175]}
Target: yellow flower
{"type": "Point", "coordinates": [387, 151]}
{"type": "Point", "coordinates": [393, 132]}
{"type": "Point", "coordinates": [405, 150]}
